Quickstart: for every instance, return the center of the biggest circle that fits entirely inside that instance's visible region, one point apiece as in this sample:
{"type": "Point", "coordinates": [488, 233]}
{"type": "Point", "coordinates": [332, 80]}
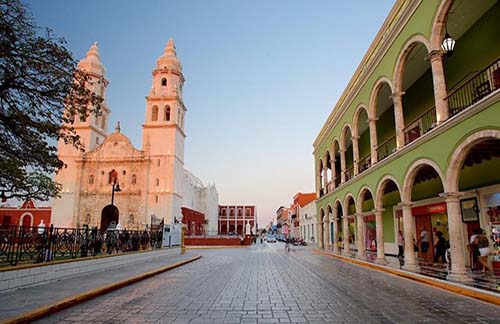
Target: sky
{"type": "Point", "coordinates": [262, 76]}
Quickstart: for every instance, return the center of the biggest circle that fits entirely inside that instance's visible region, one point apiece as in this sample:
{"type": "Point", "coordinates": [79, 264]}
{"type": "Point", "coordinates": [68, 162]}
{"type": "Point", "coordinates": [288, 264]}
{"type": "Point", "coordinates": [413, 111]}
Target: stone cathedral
{"type": "Point", "coordinates": [153, 182]}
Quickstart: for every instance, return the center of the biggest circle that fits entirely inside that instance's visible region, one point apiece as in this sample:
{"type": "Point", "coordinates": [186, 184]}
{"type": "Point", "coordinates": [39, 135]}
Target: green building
{"type": "Point", "coordinates": [414, 140]}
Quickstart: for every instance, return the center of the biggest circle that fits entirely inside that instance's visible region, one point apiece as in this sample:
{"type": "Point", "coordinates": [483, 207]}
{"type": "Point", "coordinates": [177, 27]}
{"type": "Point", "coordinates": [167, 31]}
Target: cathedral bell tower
{"type": "Point", "coordinates": [163, 138]}
{"type": "Point", "coordinates": [92, 132]}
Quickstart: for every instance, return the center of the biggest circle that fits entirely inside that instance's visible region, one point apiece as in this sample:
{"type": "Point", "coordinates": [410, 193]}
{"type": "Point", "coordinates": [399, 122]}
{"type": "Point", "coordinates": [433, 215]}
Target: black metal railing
{"type": "Point", "coordinates": [364, 163]}
{"type": "Point", "coordinates": [475, 88]}
{"type": "Point", "coordinates": [26, 244]}
{"type": "Point", "coordinates": [386, 148]}
{"type": "Point", "coordinates": [421, 125]}
{"type": "Point", "coordinates": [337, 179]}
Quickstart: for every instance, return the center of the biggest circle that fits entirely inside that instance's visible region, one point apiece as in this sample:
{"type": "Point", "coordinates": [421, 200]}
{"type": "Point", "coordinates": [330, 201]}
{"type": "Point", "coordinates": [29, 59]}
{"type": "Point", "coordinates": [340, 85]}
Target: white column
{"type": "Point", "coordinates": [325, 180]}
{"type": "Point", "coordinates": [345, 225]}
{"type": "Point", "coordinates": [320, 234]}
{"type": "Point", "coordinates": [335, 233]}
{"type": "Point", "coordinates": [326, 227]}
{"type": "Point", "coordinates": [360, 237]}
{"type": "Point", "coordinates": [342, 165]}
{"type": "Point", "coordinates": [355, 151]}
{"type": "Point", "coordinates": [397, 99]}
{"type": "Point", "coordinates": [439, 82]}
{"type": "Point", "coordinates": [457, 251]}
{"type": "Point", "coordinates": [380, 236]}
{"type": "Point", "coordinates": [410, 259]}
{"type": "Point", "coordinates": [373, 140]}
{"type": "Point", "coordinates": [334, 171]}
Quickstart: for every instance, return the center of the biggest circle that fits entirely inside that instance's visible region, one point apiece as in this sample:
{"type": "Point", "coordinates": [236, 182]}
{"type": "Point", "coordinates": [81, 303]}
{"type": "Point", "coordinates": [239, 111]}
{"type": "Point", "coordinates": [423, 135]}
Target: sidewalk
{"type": "Point", "coordinates": [437, 276]}
{"type": "Point", "coordinates": [18, 302]}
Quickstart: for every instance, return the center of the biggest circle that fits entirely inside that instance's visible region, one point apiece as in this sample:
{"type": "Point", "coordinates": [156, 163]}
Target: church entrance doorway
{"type": "Point", "coordinates": [109, 217]}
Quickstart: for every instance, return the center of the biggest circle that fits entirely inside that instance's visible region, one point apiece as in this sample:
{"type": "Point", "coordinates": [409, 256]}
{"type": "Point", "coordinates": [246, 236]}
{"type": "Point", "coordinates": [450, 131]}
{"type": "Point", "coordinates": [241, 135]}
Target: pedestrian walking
{"type": "Point", "coordinates": [401, 244]}
{"type": "Point", "coordinates": [425, 239]}
{"type": "Point", "coordinates": [484, 250]}
{"type": "Point", "coordinates": [440, 248]}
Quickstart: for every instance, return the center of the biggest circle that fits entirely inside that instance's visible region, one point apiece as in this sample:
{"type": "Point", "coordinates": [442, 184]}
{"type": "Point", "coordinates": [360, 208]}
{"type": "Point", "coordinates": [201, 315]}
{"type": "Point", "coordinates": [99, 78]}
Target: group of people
{"type": "Point", "coordinates": [478, 246]}
{"type": "Point", "coordinates": [423, 244]}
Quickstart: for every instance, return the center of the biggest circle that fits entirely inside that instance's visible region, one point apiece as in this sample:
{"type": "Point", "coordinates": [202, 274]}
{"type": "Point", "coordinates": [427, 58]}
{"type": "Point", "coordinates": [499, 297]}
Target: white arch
{"type": "Point", "coordinates": [346, 205]}
{"type": "Point", "coordinates": [21, 219]}
{"type": "Point", "coordinates": [372, 105]}
{"type": "Point", "coordinates": [411, 173]}
{"type": "Point", "coordinates": [360, 196]}
{"type": "Point", "coordinates": [460, 153]}
{"type": "Point", "coordinates": [438, 25]}
{"type": "Point", "coordinates": [342, 135]}
{"type": "Point", "coordinates": [379, 192]}
{"type": "Point", "coordinates": [357, 114]}
{"type": "Point", "coordinates": [403, 56]}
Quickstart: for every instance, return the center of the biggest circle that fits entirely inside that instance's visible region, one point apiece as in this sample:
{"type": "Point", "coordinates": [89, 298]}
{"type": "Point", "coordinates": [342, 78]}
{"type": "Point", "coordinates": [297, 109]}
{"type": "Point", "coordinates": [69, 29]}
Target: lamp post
{"type": "Point", "coordinates": [116, 188]}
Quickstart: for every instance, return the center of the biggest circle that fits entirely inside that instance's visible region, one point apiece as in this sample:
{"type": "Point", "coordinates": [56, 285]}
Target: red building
{"type": "Point", "coordinates": [194, 221]}
{"type": "Point", "coordinates": [233, 219]}
{"type": "Point", "coordinates": [25, 215]}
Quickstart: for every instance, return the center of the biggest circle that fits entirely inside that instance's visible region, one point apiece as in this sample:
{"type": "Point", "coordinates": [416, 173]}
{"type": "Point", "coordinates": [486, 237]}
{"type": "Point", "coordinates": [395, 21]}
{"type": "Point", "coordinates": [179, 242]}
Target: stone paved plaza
{"type": "Point", "coordinates": [266, 284]}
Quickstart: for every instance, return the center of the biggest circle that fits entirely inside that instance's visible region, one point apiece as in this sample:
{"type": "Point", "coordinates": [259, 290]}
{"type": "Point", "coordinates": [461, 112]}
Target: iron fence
{"type": "Point", "coordinates": [475, 88]}
{"type": "Point", "coordinates": [27, 244]}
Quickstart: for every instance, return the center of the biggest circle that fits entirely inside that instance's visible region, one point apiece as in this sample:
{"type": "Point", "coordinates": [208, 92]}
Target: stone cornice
{"type": "Point", "coordinates": [170, 125]}
{"type": "Point", "coordinates": [399, 15]}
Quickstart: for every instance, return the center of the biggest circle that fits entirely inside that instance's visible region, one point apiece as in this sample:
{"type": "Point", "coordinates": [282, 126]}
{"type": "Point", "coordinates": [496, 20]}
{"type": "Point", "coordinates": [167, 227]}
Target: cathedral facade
{"type": "Point", "coordinates": [114, 181]}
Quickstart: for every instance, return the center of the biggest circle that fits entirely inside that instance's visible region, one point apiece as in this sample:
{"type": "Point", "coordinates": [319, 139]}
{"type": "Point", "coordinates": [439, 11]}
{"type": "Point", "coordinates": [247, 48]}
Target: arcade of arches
{"type": "Point", "coordinates": [414, 145]}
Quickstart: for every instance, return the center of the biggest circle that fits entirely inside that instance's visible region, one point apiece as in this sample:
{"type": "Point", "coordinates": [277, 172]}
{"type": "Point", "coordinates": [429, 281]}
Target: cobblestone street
{"type": "Point", "coordinates": [266, 284]}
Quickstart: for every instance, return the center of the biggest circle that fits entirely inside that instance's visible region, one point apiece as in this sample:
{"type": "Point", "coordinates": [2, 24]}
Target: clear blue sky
{"type": "Point", "coordinates": [261, 78]}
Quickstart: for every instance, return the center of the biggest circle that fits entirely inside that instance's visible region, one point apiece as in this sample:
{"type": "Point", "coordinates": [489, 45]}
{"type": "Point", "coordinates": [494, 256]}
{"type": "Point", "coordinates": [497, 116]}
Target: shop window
{"type": "Point", "coordinates": [249, 213]}
{"type": "Point", "coordinates": [131, 219]}
{"type": "Point", "coordinates": [87, 219]}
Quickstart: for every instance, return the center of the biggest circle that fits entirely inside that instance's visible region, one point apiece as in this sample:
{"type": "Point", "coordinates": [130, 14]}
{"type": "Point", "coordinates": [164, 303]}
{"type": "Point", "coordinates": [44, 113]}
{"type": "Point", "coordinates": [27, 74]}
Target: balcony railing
{"type": "Point", "coordinates": [336, 180]}
{"type": "Point", "coordinates": [475, 88]}
{"type": "Point", "coordinates": [364, 163]}
{"type": "Point", "coordinates": [331, 186]}
{"type": "Point", "coordinates": [421, 125]}
{"type": "Point", "coordinates": [349, 173]}
{"type": "Point", "coordinates": [387, 147]}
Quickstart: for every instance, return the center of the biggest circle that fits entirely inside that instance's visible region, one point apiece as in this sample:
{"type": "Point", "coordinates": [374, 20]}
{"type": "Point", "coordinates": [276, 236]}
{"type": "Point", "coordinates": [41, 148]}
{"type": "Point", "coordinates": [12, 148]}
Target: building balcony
{"type": "Point", "coordinates": [475, 88]}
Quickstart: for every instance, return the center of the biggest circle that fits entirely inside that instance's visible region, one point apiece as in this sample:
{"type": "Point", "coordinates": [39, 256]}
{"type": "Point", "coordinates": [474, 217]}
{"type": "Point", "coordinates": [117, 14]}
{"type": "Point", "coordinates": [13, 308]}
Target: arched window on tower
{"type": "Point", "coordinates": [167, 113]}
{"type": "Point", "coordinates": [164, 82]}
{"type": "Point", "coordinates": [154, 116]}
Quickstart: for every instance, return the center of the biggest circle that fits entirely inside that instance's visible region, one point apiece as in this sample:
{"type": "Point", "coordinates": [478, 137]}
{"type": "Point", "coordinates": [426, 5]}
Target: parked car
{"type": "Point", "coordinates": [271, 239]}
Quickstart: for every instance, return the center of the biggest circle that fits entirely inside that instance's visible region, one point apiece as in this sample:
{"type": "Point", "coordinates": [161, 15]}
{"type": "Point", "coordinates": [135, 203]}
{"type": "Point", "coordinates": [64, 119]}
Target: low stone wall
{"type": "Point", "coordinates": [216, 241]}
{"type": "Point", "coordinates": [11, 279]}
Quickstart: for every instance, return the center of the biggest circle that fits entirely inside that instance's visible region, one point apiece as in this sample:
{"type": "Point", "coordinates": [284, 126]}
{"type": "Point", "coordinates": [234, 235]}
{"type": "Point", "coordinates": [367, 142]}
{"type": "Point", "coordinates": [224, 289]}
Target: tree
{"type": "Point", "coordinates": [42, 92]}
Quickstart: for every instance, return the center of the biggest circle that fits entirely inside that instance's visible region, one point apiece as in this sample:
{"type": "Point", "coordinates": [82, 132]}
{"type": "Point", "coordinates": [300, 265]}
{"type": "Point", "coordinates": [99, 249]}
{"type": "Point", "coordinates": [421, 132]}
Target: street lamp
{"type": "Point", "coordinates": [448, 43]}
{"type": "Point", "coordinates": [116, 188]}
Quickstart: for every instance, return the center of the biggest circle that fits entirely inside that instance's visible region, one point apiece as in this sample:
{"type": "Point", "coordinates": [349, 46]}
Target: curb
{"type": "Point", "coordinates": [80, 298]}
{"type": "Point", "coordinates": [448, 286]}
